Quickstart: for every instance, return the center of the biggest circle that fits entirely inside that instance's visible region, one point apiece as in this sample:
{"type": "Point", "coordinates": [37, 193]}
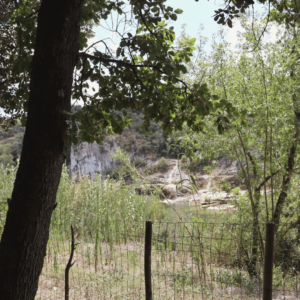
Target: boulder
{"type": "Point", "coordinates": [201, 182]}
{"type": "Point", "coordinates": [184, 190]}
{"type": "Point", "coordinates": [169, 191]}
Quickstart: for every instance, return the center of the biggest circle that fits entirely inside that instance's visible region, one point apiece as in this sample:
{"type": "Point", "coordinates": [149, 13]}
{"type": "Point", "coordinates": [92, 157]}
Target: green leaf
{"type": "Point", "coordinates": [178, 11]}
{"type": "Point", "coordinates": [155, 9]}
{"type": "Point", "coordinates": [193, 180]}
{"type": "Point", "coordinates": [173, 17]}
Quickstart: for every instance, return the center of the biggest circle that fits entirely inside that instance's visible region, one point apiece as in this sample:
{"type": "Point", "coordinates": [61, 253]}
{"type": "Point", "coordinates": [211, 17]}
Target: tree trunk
{"type": "Point", "coordinates": [26, 232]}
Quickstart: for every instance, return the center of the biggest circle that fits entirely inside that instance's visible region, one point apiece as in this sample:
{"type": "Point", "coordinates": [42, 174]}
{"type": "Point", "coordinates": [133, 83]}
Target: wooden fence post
{"type": "Point", "coordinates": [268, 261]}
{"type": "Point", "coordinates": [147, 260]}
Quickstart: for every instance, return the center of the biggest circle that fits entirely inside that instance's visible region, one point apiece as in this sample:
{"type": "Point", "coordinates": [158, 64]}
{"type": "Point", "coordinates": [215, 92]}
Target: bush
{"type": "Point", "coordinates": [161, 166]}
{"type": "Point", "coordinates": [226, 186]}
{"type": "Point", "coordinates": [208, 169]}
{"type": "Point", "coordinates": [123, 172]}
{"type": "Point", "coordinates": [144, 147]}
{"type": "Point", "coordinates": [139, 162]}
{"type": "Point", "coordinates": [236, 191]}
{"type": "Point", "coordinates": [184, 159]}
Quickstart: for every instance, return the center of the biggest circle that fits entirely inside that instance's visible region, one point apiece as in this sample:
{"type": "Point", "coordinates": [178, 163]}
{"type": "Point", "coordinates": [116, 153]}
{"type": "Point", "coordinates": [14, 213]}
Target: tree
{"type": "Point", "coordinates": [26, 231]}
{"type": "Point", "coordinates": [263, 138]}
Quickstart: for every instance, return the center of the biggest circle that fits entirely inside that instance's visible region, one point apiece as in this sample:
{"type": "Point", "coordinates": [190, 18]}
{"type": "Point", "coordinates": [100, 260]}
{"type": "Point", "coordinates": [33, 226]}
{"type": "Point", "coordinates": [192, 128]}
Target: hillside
{"type": "Point", "coordinates": [154, 143]}
{"type": "Point", "coordinates": [144, 149]}
{"type": "Point", "coordinates": [150, 152]}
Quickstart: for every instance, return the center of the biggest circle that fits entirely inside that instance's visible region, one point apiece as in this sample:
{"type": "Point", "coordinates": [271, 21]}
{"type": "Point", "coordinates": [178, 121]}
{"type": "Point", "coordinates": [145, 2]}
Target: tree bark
{"type": "Point", "coordinates": [26, 232]}
{"type": "Point", "coordinates": [286, 181]}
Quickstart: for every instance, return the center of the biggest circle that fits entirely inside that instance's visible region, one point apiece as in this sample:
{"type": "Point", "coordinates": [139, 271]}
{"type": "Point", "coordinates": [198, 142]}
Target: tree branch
{"type": "Point", "coordinates": [285, 182]}
{"type": "Point", "coordinates": [69, 265]}
{"type": "Point", "coordinates": [129, 65]}
{"type": "Point", "coordinates": [257, 189]}
{"type": "Point", "coordinates": [253, 164]}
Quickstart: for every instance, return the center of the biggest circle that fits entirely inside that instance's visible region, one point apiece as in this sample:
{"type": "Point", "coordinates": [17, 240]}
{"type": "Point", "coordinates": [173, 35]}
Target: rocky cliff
{"type": "Point", "coordinates": [91, 159]}
{"type": "Point", "coordinates": [212, 189]}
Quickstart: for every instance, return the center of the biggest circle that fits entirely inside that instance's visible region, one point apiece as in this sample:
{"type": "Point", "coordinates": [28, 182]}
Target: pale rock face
{"type": "Point", "coordinates": [228, 167]}
{"type": "Point", "coordinates": [92, 159]}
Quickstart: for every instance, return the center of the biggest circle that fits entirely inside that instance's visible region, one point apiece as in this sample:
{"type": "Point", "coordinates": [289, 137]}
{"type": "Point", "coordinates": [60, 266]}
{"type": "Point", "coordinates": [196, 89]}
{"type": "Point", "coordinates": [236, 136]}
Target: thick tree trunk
{"type": "Point", "coordinates": [26, 232]}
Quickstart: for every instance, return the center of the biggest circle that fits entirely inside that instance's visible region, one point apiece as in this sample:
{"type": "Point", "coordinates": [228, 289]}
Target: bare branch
{"type": "Point", "coordinates": [69, 265]}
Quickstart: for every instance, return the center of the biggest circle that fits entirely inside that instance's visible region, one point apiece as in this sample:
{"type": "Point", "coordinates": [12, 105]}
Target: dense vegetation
{"type": "Point", "coordinates": [11, 142]}
{"type": "Point", "coordinates": [260, 79]}
{"type": "Point", "coordinates": [135, 138]}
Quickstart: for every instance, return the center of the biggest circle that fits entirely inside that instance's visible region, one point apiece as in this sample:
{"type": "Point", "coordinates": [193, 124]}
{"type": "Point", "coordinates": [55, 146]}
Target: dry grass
{"type": "Point", "coordinates": [116, 272]}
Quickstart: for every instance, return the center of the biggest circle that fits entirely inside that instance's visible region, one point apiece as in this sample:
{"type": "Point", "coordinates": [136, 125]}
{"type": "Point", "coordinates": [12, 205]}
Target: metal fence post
{"type": "Point", "coordinates": [147, 261]}
{"type": "Point", "coordinates": [268, 261]}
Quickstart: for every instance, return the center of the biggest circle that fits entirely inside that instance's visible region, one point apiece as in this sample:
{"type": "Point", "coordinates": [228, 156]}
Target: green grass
{"type": "Point", "coordinates": [90, 204]}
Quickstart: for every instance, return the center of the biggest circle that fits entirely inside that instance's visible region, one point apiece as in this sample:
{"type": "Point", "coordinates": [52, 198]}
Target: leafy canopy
{"type": "Point", "coordinates": [263, 138]}
{"type": "Point", "coordinates": [143, 73]}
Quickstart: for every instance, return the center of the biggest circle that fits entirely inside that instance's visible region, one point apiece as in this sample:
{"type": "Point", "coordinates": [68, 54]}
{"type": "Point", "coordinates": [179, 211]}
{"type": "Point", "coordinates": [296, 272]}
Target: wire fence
{"type": "Point", "coordinates": [188, 261]}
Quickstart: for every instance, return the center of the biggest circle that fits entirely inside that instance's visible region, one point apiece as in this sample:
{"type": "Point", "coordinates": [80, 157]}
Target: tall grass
{"type": "Point", "coordinates": [90, 204]}
{"type": "Point", "coordinates": [95, 205]}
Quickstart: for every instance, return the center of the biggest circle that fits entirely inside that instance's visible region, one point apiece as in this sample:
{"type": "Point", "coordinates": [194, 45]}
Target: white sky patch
{"type": "Point", "coordinates": [112, 35]}
{"type": "Point", "coordinates": [114, 47]}
{"type": "Point", "coordinates": [234, 34]}
{"type": "Point", "coordinates": [100, 47]}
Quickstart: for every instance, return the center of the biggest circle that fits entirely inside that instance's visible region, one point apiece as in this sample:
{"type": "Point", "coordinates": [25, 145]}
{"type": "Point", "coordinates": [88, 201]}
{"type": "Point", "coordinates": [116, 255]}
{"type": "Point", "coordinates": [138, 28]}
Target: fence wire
{"type": "Point", "coordinates": [188, 261]}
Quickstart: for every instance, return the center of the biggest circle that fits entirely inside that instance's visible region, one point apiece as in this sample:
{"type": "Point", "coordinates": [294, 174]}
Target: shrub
{"type": "Point", "coordinates": [226, 186]}
{"type": "Point", "coordinates": [184, 159]}
{"type": "Point", "coordinates": [139, 162]}
{"type": "Point", "coordinates": [236, 191]}
{"type": "Point", "coordinates": [122, 172]}
{"type": "Point", "coordinates": [161, 166]}
{"type": "Point", "coordinates": [208, 169]}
